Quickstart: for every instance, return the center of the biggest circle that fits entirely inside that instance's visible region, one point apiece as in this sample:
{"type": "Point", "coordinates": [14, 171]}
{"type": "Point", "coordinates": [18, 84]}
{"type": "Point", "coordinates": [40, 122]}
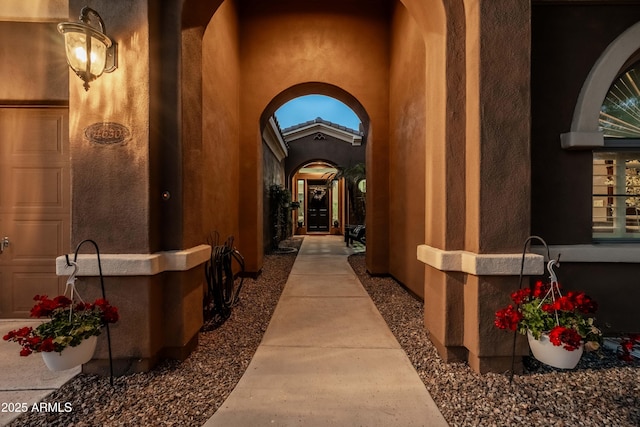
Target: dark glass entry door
{"type": "Point", "coordinates": [317, 206]}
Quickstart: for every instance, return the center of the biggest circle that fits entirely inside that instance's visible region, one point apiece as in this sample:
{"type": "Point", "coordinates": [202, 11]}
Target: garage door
{"type": "Point", "coordinates": [34, 204]}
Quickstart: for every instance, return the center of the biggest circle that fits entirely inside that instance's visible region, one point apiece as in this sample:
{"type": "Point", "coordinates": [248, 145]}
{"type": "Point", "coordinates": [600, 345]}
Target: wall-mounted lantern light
{"type": "Point", "coordinates": [89, 51]}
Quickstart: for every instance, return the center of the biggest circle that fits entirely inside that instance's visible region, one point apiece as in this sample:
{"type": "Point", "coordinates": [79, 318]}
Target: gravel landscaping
{"type": "Point", "coordinates": [177, 393]}
{"type": "Point", "coordinates": [599, 392]}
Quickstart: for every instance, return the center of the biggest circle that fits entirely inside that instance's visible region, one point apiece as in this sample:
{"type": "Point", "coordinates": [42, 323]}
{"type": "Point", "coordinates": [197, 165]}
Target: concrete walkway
{"type": "Point", "coordinates": [24, 380]}
{"type": "Point", "coordinates": [327, 357]}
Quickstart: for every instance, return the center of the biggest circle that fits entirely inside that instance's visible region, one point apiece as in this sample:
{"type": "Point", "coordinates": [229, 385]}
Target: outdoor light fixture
{"type": "Point", "coordinates": [89, 51]}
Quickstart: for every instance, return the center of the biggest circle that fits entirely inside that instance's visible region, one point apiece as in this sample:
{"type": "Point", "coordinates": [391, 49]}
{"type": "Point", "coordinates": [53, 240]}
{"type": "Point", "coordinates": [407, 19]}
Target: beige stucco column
{"type": "Point", "coordinates": [497, 165]}
{"type": "Point", "coordinates": [464, 288]}
{"type": "Point", "coordinates": [117, 188]}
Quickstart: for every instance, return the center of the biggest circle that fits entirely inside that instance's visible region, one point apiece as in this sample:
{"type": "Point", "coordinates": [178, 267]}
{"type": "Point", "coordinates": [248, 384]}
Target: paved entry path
{"type": "Point", "coordinates": [327, 357]}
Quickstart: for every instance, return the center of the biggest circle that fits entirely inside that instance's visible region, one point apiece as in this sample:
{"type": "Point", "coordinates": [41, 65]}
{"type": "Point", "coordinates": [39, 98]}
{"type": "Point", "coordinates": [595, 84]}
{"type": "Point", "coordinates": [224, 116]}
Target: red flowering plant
{"type": "Point", "coordinates": [70, 324]}
{"type": "Point", "coordinates": [627, 345]}
{"type": "Point", "coordinates": [567, 319]}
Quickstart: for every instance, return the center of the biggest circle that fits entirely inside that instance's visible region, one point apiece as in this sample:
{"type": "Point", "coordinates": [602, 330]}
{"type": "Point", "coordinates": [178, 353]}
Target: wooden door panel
{"type": "Point", "coordinates": [35, 188]}
{"type": "Point", "coordinates": [40, 134]}
{"type": "Point", "coordinates": [34, 204]}
{"type": "Point", "coordinates": [36, 240]}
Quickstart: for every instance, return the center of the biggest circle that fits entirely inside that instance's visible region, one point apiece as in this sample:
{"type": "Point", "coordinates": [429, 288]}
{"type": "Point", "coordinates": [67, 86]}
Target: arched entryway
{"type": "Point", "coordinates": [198, 79]}
{"type": "Point", "coordinates": [366, 58]}
{"type": "Point", "coordinates": [426, 76]}
{"type": "Point", "coordinates": [319, 202]}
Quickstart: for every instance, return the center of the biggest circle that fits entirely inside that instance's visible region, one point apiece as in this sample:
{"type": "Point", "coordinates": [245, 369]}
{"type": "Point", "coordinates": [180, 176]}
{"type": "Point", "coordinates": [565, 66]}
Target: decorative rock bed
{"type": "Point", "coordinates": [599, 392]}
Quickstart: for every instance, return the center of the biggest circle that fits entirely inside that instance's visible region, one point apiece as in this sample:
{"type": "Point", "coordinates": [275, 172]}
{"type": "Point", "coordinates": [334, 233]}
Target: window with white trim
{"type": "Point", "coordinates": [616, 169]}
{"type": "Point", "coordinates": [616, 195]}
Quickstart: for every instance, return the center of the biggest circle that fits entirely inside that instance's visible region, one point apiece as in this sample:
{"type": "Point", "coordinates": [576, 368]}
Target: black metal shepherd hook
{"type": "Point", "coordinates": [75, 258]}
{"type": "Point", "coordinates": [527, 243]}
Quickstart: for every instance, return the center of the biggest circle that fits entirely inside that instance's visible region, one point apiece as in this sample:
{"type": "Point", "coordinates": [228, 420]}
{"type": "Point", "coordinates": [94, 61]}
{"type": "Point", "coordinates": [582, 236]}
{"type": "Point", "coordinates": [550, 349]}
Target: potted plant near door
{"type": "Point", "coordinates": [336, 228]}
{"type": "Point", "coordinates": [559, 327]}
{"type": "Point", "coordinates": [69, 338]}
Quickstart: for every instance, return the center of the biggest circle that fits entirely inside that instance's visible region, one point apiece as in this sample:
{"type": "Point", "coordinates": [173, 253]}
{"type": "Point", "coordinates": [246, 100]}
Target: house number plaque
{"type": "Point", "coordinates": [107, 133]}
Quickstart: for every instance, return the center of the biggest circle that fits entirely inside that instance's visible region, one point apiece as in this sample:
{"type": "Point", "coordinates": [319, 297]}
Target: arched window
{"type": "Point", "coordinates": [616, 167]}
{"type": "Point", "coordinates": [620, 112]}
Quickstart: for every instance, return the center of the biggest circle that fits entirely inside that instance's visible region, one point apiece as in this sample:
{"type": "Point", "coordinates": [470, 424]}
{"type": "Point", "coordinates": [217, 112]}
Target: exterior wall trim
{"type": "Point", "coordinates": [136, 264]}
{"type": "Point", "coordinates": [480, 264]}
{"type": "Point", "coordinates": [584, 140]}
{"type": "Point", "coordinates": [271, 135]}
{"type": "Point", "coordinates": [313, 128]}
{"type": "Point", "coordinates": [603, 252]}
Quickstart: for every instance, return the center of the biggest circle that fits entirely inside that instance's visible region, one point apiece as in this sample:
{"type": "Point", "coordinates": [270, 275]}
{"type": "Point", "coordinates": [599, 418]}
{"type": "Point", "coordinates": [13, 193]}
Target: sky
{"type": "Point", "coordinates": [309, 107]}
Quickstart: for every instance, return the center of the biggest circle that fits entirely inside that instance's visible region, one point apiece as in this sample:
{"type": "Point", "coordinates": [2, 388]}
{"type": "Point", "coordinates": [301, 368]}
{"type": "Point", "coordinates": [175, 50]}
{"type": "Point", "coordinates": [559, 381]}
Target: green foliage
{"type": "Point", "coordinates": [356, 199]}
{"type": "Point", "coordinates": [71, 330]}
{"type": "Point", "coordinates": [534, 319]}
{"type": "Point", "coordinates": [279, 214]}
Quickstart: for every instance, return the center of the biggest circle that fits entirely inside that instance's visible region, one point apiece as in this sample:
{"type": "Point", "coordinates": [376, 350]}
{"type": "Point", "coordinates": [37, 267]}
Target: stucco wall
{"type": "Point", "coordinates": [32, 69]}
{"type": "Point", "coordinates": [497, 125]}
{"type": "Point", "coordinates": [567, 41]}
{"type": "Point", "coordinates": [407, 151]}
{"type": "Point", "coordinates": [110, 183]}
{"type": "Point", "coordinates": [338, 45]}
{"type": "Point", "coordinates": [332, 149]}
{"type": "Point", "coordinates": [220, 149]}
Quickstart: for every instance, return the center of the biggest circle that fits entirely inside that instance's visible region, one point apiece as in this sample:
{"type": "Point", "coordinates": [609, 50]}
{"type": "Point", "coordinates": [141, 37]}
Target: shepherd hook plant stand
{"type": "Point", "coordinates": [527, 244]}
{"type": "Point", "coordinates": [75, 259]}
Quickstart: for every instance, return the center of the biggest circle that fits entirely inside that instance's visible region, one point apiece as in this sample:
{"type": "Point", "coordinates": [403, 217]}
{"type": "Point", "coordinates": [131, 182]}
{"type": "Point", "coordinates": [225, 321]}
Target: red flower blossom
{"type": "Point", "coordinates": [626, 347]}
{"type": "Point", "coordinates": [564, 303]}
{"type": "Point", "coordinates": [540, 289]}
{"type": "Point", "coordinates": [584, 303]}
{"type": "Point", "coordinates": [548, 308]}
{"type": "Point", "coordinates": [47, 345]}
{"type": "Point", "coordinates": [45, 306]}
{"type": "Point", "coordinates": [567, 337]}
{"type": "Point", "coordinates": [62, 301]}
{"type": "Point", "coordinates": [82, 306]}
{"type": "Point", "coordinates": [109, 313]}
{"type": "Point", "coordinates": [521, 295]}
{"type": "Point", "coordinates": [508, 318]}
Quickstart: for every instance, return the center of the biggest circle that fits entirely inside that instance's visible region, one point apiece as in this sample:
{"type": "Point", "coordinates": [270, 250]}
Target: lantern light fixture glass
{"type": "Point", "coordinates": [90, 52]}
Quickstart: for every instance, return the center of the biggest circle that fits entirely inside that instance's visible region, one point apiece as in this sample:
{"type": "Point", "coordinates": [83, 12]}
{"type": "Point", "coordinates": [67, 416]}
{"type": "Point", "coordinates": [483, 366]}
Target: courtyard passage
{"type": "Point", "coordinates": [327, 357]}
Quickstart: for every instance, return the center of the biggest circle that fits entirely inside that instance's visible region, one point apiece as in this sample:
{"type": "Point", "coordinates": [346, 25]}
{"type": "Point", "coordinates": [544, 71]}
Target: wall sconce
{"type": "Point", "coordinates": [89, 51]}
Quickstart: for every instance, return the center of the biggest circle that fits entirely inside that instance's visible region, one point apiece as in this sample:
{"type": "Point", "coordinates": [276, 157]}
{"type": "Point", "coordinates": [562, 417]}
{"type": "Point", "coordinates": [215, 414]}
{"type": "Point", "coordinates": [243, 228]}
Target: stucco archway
{"type": "Point", "coordinates": [429, 72]}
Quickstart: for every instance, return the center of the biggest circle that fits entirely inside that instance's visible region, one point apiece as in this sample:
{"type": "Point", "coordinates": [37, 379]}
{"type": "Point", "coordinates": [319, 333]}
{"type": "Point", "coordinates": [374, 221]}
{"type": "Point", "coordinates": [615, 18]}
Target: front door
{"type": "Point", "coordinates": [34, 204]}
{"type": "Point", "coordinates": [317, 207]}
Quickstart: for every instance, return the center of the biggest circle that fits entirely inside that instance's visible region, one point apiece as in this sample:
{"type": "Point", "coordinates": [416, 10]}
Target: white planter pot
{"type": "Point", "coordinates": [552, 355]}
{"type": "Point", "coordinates": [70, 356]}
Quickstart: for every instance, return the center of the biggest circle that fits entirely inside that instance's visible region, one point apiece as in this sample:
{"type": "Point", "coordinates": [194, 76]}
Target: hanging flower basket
{"type": "Point", "coordinates": [559, 327]}
{"type": "Point", "coordinates": [557, 356]}
{"type": "Point", "coordinates": [71, 357]}
{"type": "Point", "coordinates": [68, 339]}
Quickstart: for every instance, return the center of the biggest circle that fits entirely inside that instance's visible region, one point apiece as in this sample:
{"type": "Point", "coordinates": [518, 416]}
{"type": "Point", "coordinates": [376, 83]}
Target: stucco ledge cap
{"type": "Point", "coordinates": [136, 264]}
{"type": "Point", "coordinates": [480, 264]}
